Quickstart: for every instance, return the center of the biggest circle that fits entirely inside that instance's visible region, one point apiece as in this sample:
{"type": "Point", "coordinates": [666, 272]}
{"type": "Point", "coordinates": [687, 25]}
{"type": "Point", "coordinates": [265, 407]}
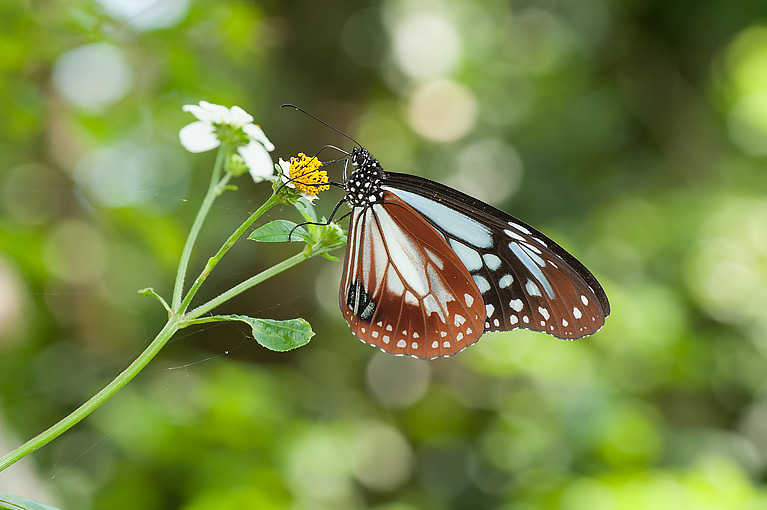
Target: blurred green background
{"type": "Point", "coordinates": [634, 133]}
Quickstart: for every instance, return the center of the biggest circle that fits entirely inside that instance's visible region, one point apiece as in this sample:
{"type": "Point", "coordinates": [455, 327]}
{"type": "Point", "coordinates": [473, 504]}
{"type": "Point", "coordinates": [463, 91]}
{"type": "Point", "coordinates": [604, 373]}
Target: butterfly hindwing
{"type": "Point", "coordinates": [404, 289]}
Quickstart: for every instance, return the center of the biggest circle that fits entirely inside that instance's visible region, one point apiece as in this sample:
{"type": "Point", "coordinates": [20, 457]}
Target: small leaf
{"type": "Point", "coordinates": [13, 502]}
{"type": "Point", "coordinates": [306, 209]}
{"type": "Point", "coordinates": [277, 231]}
{"type": "Point", "coordinates": [275, 335]}
{"type": "Point", "coordinates": [149, 291]}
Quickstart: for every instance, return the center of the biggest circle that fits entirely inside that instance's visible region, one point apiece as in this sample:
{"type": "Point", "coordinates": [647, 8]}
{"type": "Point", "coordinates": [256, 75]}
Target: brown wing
{"type": "Point", "coordinates": [404, 290]}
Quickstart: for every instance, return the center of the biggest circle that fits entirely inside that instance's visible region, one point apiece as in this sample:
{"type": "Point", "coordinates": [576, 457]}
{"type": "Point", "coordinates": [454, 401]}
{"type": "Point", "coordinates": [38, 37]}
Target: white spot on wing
{"type": "Point", "coordinates": [411, 299]}
{"type": "Point", "coordinates": [482, 284]}
{"type": "Point", "coordinates": [434, 344]}
{"type": "Point", "coordinates": [516, 305]}
{"type": "Point", "coordinates": [577, 313]}
{"type": "Point", "coordinates": [532, 288]}
{"type": "Point", "coordinates": [459, 319]}
{"type": "Point", "coordinates": [469, 300]}
{"type": "Point", "coordinates": [513, 319]}
{"type": "Point", "coordinates": [492, 262]}
{"type": "Point", "coordinates": [470, 257]}
{"type": "Point", "coordinates": [401, 344]}
{"type": "Point", "coordinates": [489, 309]}
{"type": "Point", "coordinates": [544, 312]}
{"type": "Point", "coordinates": [505, 281]}
{"type": "Point", "coordinates": [514, 235]}
{"type": "Point", "coordinates": [520, 228]}
{"type": "Point", "coordinates": [584, 300]}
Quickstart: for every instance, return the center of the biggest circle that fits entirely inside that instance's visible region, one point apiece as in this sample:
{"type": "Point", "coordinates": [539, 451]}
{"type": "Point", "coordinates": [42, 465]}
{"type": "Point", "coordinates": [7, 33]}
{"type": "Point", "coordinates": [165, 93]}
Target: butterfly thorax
{"type": "Point", "coordinates": [363, 187]}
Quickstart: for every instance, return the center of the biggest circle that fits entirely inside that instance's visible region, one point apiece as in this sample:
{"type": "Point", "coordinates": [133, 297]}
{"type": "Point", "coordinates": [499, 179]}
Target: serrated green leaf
{"type": "Point", "coordinates": [277, 231]}
{"type": "Point", "coordinates": [275, 335]}
{"type": "Point", "coordinates": [13, 502]}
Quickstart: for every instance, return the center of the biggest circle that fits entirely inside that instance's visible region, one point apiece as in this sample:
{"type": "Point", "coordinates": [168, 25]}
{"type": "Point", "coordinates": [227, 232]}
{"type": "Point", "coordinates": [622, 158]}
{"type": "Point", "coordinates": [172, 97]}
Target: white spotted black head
{"type": "Point", "coordinates": [363, 187]}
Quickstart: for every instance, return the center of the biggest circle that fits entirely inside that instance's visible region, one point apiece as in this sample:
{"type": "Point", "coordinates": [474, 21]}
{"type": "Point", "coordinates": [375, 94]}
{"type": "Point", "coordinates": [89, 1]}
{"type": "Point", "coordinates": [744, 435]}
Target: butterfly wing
{"type": "Point", "coordinates": [403, 289]}
{"type": "Point", "coordinates": [526, 280]}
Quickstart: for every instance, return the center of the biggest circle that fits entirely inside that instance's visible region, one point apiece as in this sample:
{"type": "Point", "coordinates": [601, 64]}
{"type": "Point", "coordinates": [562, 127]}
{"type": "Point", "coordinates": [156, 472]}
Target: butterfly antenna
{"type": "Point", "coordinates": [288, 105]}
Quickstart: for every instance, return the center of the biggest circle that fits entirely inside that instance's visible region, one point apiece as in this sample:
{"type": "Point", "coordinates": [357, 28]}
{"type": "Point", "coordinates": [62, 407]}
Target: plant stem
{"type": "Point", "coordinates": [94, 402]}
{"type": "Point", "coordinates": [273, 200]}
{"type": "Point", "coordinates": [250, 282]}
{"type": "Point", "coordinates": [213, 190]}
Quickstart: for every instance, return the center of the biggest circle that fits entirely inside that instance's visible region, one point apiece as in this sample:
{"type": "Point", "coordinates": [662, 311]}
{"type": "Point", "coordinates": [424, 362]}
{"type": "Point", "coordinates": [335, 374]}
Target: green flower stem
{"type": "Point", "coordinates": [214, 189]}
{"type": "Point", "coordinates": [273, 200]}
{"type": "Point", "coordinates": [102, 396]}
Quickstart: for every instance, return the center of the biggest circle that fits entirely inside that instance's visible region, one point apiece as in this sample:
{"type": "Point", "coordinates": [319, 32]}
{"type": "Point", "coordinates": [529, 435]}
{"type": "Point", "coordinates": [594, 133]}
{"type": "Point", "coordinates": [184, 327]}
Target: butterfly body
{"type": "Point", "coordinates": [429, 269]}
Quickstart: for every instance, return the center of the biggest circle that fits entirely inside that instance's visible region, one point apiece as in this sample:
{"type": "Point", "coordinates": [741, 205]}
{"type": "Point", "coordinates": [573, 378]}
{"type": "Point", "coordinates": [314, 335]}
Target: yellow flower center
{"type": "Point", "coordinates": [306, 176]}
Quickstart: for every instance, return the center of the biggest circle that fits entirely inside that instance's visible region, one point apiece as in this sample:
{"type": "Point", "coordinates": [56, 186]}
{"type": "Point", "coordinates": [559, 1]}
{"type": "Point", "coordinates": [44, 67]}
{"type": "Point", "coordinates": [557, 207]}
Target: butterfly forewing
{"type": "Point", "coordinates": [525, 279]}
{"type": "Point", "coordinates": [404, 289]}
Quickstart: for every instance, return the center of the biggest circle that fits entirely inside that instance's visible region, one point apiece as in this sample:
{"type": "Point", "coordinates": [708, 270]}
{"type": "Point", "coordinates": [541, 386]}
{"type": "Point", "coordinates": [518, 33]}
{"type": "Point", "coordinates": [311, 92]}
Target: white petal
{"type": "Point", "coordinates": [198, 137]}
{"type": "Point", "coordinates": [284, 171]}
{"type": "Point", "coordinates": [258, 161]}
{"type": "Point", "coordinates": [238, 117]}
{"type": "Point", "coordinates": [207, 112]}
{"type": "Point", "coordinates": [257, 133]}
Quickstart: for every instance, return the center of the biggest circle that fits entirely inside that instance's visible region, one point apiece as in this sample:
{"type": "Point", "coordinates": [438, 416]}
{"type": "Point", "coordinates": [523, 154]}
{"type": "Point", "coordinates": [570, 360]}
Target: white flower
{"type": "Point", "coordinates": [201, 136]}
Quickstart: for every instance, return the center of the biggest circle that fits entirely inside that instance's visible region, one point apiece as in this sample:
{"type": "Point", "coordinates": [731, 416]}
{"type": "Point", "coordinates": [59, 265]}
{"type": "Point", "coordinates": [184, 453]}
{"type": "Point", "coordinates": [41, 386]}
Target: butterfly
{"type": "Point", "coordinates": [429, 269]}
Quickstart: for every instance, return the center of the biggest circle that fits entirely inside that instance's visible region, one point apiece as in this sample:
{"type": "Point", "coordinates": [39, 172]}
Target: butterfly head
{"type": "Point", "coordinates": [361, 157]}
{"type": "Point", "coordinates": [363, 187]}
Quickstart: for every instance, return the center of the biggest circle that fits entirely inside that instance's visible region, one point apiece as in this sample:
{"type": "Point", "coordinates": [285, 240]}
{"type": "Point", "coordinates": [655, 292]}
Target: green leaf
{"type": "Point", "coordinates": [275, 335]}
{"type": "Point", "coordinates": [12, 502]}
{"type": "Point", "coordinates": [306, 209]}
{"type": "Point", "coordinates": [277, 231]}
